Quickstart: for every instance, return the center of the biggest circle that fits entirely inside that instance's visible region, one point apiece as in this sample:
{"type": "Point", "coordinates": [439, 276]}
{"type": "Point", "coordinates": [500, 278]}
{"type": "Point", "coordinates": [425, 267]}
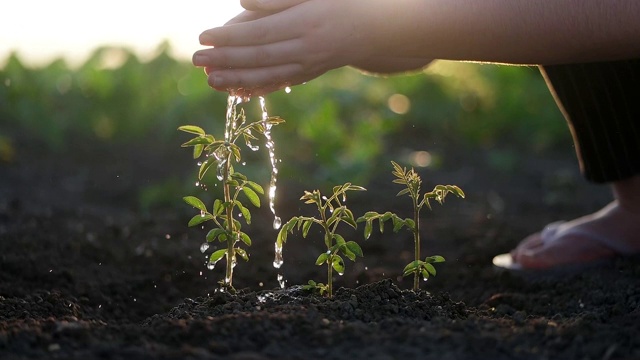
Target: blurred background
{"type": "Point", "coordinates": [112, 82]}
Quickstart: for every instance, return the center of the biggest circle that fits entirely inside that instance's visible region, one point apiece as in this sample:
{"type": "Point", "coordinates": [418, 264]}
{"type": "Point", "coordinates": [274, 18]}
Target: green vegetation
{"type": "Point", "coordinates": [115, 97]}
{"type": "Point", "coordinates": [412, 182]}
{"type": "Point", "coordinates": [222, 154]}
{"type": "Point", "coordinates": [331, 211]}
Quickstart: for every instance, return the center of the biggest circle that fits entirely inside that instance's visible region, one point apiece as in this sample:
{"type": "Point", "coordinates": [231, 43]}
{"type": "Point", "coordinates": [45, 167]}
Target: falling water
{"type": "Point", "coordinates": [277, 222]}
{"type": "Point", "coordinates": [270, 145]}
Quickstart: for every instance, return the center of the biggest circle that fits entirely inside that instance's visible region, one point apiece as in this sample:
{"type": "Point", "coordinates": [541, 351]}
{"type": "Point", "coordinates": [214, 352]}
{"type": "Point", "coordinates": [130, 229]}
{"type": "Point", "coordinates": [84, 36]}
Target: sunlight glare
{"type": "Point", "coordinates": [40, 31]}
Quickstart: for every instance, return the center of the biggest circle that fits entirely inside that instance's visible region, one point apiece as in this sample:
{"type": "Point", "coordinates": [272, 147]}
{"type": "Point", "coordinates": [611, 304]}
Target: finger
{"type": "Point", "coordinates": [251, 56]}
{"type": "Point", "coordinates": [277, 27]}
{"type": "Point", "coordinates": [275, 77]}
{"type": "Point", "coordinates": [269, 4]}
{"type": "Point", "coordinates": [246, 16]}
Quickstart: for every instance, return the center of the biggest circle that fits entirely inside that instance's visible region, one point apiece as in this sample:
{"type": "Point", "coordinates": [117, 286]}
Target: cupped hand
{"type": "Point", "coordinates": [257, 53]}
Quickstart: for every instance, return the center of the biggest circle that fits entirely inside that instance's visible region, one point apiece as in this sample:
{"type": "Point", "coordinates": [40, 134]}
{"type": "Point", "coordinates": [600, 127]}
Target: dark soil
{"type": "Point", "coordinates": [86, 273]}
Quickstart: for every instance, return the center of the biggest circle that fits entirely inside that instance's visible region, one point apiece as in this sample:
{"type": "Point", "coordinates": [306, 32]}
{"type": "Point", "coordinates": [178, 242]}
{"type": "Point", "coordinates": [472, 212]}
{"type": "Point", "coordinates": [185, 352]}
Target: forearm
{"type": "Point", "coordinates": [391, 65]}
{"type": "Point", "coordinates": [504, 31]}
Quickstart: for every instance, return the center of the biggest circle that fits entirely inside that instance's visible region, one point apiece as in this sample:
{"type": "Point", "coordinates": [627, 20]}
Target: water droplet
{"type": "Point", "coordinates": [204, 247]}
{"type": "Point", "coordinates": [287, 90]}
{"type": "Point", "coordinates": [220, 171]}
{"type": "Point", "coordinates": [340, 273]}
{"type": "Point", "coordinates": [278, 261]}
{"type": "Point", "coordinates": [281, 281]}
{"type": "Point", "coordinates": [277, 222]}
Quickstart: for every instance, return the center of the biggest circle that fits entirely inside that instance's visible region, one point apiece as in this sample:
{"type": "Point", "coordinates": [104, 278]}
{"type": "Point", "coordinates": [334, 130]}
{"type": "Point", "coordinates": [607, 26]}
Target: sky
{"type": "Point", "coordinates": [42, 30]}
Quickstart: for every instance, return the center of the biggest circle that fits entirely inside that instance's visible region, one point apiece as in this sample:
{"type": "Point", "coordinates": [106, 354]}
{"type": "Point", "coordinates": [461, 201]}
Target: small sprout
{"type": "Point", "coordinates": [225, 211]}
{"type": "Point", "coordinates": [412, 182]}
{"type": "Point", "coordinates": [332, 212]}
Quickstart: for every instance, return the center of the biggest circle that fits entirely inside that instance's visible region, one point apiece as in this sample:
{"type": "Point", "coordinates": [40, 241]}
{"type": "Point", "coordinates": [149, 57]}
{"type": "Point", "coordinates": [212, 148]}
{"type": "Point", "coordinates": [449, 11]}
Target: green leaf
{"type": "Point", "coordinates": [236, 152]}
{"type": "Point", "coordinates": [338, 264]}
{"type": "Point", "coordinates": [354, 247]}
{"type": "Point", "coordinates": [398, 224]}
{"type": "Point", "coordinates": [349, 218]}
{"type": "Point", "coordinates": [425, 274]}
{"type": "Point", "coordinates": [411, 267]}
{"type": "Point", "coordinates": [245, 212]}
{"type": "Point", "coordinates": [217, 207]}
{"type": "Point", "coordinates": [282, 236]}
{"type": "Point", "coordinates": [251, 195]}
{"type": "Point", "coordinates": [238, 176]}
{"type": "Point", "coordinates": [430, 268]}
{"type": "Point", "coordinates": [356, 188]}
{"type": "Point", "coordinates": [410, 224]}
{"type": "Point", "coordinates": [200, 140]}
{"type": "Point", "coordinates": [217, 255]}
{"type": "Point", "coordinates": [339, 239]}
{"type": "Point", "coordinates": [255, 187]}
{"type": "Point", "coordinates": [197, 150]}
{"type": "Point", "coordinates": [192, 129]}
{"type": "Point", "coordinates": [434, 259]}
{"type": "Point", "coordinates": [243, 254]}
{"type": "Point", "coordinates": [322, 258]}
{"type": "Point", "coordinates": [402, 192]}
{"type": "Point", "coordinates": [368, 228]}
{"type": "Point", "coordinates": [306, 226]}
{"type": "Point", "coordinates": [456, 190]}
{"type": "Point", "coordinates": [199, 219]}
{"type": "Point", "coordinates": [214, 233]}
{"type": "Point", "coordinates": [245, 238]}
{"type": "Point", "coordinates": [195, 202]}
{"type": "Point", "coordinates": [275, 120]}
{"type": "Point", "coordinates": [204, 167]}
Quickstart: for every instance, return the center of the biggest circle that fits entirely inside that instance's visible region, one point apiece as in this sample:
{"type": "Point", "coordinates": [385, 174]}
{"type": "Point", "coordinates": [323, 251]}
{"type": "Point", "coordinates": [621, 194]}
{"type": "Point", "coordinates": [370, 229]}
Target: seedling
{"type": "Point", "coordinates": [332, 211]}
{"type": "Point", "coordinates": [224, 211]}
{"type": "Point", "coordinates": [412, 183]}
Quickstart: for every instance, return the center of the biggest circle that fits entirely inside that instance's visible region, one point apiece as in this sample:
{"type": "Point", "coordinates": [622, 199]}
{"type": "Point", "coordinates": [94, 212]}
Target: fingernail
{"type": "Point", "coordinates": [217, 81]}
{"type": "Point", "coordinates": [199, 59]}
{"type": "Point", "coordinates": [205, 39]}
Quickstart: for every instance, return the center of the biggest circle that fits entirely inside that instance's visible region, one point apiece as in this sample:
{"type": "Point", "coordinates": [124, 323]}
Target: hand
{"type": "Point", "coordinates": [255, 54]}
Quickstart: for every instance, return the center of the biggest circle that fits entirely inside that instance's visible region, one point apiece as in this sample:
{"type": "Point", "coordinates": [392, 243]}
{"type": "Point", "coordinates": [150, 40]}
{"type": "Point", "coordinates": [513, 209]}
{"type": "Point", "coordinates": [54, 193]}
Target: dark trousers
{"type": "Point", "coordinates": [601, 102]}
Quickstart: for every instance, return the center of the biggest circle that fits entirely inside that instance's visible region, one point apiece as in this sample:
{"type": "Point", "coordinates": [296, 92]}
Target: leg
{"type": "Point", "coordinates": [600, 103]}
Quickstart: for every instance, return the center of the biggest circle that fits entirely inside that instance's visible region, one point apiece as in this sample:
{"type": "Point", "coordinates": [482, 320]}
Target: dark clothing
{"type": "Point", "coordinates": [601, 102]}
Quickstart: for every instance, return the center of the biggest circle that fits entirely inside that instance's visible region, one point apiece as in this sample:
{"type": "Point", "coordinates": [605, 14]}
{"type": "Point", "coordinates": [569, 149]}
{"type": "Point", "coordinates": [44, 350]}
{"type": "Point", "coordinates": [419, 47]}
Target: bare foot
{"type": "Point", "coordinates": [609, 232]}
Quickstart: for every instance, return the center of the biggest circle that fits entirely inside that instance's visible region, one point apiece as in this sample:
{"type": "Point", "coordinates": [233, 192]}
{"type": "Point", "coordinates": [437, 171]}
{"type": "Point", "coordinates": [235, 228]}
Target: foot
{"type": "Point", "coordinates": [612, 231]}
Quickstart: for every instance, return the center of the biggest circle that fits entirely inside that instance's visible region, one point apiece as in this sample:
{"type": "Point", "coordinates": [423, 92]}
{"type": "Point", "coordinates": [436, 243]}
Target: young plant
{"type": "Point", "coordinates": [412, 182]}
{"type": "Point", "coordinates": [223, 153]}
{"type": "Point", "coordinates": [332, 211]}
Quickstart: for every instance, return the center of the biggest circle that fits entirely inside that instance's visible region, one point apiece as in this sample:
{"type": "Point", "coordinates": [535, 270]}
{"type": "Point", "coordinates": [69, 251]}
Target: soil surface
{"type": "Point", "coordinates": [86, 273]}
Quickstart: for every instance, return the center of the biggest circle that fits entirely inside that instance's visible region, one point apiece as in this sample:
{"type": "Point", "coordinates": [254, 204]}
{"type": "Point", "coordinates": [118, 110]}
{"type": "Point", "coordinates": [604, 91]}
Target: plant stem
{"type": "Point", "coordinates": [330, 276]}
{"type": "Point", "coordinates": [230, 230]}
{"type": "Point", "coordinates": [416, 240]}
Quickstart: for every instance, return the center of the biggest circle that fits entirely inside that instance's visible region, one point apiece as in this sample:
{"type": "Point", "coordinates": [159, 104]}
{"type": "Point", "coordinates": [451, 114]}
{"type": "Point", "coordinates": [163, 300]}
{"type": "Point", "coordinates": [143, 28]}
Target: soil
{"type": "Point", "coordinates": [86, 273]}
